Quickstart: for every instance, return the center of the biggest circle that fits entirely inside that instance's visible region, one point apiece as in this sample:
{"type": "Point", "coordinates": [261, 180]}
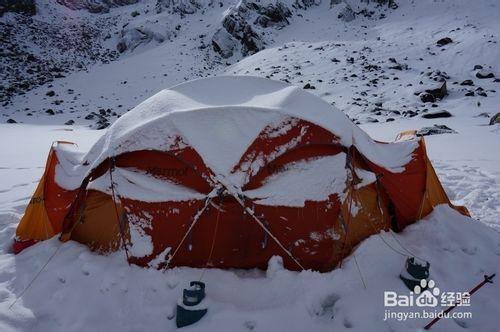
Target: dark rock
{"type": "Point", "coordinates": [69, 122]}
{"type": "Point", "coordinates": [483, 115]}
{"type": "Point", "coordinates": [223, 43]}
{"type": "Point", "coordinates": [50, 93]}
{"type": "Point", "coordinates": [27, 7]}
{"type": "Point", "coordinates": [467, 82]}
{"type": "Point", "coordinates": [399, 67]}
{"type": "Point", "coordinates": [309, 86]}
{"type": "Point", "coordinates": [273, 15]}
{"type": "Point", "coordinates": [102, 124]}
{"type": "Point", "coordinates": [495, 119]}
{"type": "Point", "coordinates": [180, 7]}
{"type": "Point", "coordinates": [238, 29]}
{"type": "Point", "coordinates": [483, 74]}
{"type": "Point", "coordinates": [444, 41]}
{"type": "Point", "coordinates": [427, 98]}
{"type": "Point", "coordinates": [438, 93]}
{"type": "Point", "coordinates": [50, 111]}
{"type": "Point", "coordinates": [133, 36]}
{"type": "Point", "coordinates": [470, 94]}
{"type": "Point", "coordinates": [95, 6]}
{"type": "Point", "coordinates": [435, 130]}
{"type": "Point", "coordinates": [346, 13]}
{"type": "Point", "coordinates": [437, 115]}
{"type": "Point", "coordinates": [389, 119]}
{"type": "Point", "coordinates": [477, 67]}
{"type": "Point", "coordinates": [121, 46]}
{"type": "Point", "coordinates": [11, 121]}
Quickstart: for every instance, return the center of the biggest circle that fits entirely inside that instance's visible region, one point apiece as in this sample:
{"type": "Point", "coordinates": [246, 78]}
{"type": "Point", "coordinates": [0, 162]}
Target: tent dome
{"type": "Point", "coordinates": [227, 172]}
{"type": "Point", "coordinates": [221, 116]}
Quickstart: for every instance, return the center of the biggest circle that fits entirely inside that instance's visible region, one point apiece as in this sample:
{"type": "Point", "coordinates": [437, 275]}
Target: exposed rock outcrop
{"type": "Point", "coordinates": [183, 7]}
{"type": "Point", "coordinates": [95, 6]}
{"type": "Point", "coordinates": [18, 6]}
{"type": "Point", "coordinates": [240, 27]}
{"type": "Point", "coordinates": [132, 37]}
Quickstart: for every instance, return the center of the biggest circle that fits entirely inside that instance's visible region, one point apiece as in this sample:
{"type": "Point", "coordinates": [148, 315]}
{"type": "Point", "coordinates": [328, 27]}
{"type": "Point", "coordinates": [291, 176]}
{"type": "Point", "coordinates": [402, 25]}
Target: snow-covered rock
{"type": "Point", "coordinates": [240, 24]}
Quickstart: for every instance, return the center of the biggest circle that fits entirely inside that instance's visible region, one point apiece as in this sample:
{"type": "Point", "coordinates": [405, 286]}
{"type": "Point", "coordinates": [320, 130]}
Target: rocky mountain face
{"type": "Point", "coordinates": [46, 40]}
{"type": "Point", "coordinates": [35, 52]}
{"type": "Point", "coordinates": [27, 7]}
{"type": "Point", "coordinates": [95, 6]}
{"type": "Point", "coordinates": [241, 25]}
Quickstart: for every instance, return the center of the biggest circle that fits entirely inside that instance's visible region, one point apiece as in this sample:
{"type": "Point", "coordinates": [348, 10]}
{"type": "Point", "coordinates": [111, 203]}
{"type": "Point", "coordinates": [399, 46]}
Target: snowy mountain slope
{"type": "Point", "coordinates": [377, 73]}
{"type": "Point", "coordinates": [159, 50]}
{"type": "Point", "coordinates": [81, 291]}
{"type": "Point", "coordinates": [374, 78]}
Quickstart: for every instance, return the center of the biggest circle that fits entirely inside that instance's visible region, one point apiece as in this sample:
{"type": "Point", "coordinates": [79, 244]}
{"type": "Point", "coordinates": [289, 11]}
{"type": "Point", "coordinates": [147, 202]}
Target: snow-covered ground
{"type": "Point", "coordinates": [81, 291]}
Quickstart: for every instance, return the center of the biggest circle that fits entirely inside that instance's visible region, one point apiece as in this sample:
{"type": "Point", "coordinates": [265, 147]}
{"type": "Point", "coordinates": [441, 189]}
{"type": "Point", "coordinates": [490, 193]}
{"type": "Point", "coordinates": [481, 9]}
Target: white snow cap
{"type": "Point", "coordinates": [221, 116]}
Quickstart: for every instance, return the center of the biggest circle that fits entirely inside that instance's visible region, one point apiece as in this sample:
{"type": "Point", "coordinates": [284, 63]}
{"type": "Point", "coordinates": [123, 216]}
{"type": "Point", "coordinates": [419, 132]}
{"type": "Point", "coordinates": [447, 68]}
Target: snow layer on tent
{"type": "Point", "coordinates": [231, 110]}
{"type": "Point", "coordinates": [134, 184]}
{"type": "Point", "coordinates": [303, 181]}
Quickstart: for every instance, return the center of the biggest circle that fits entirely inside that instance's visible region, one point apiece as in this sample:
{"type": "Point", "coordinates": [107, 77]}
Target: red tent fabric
{"type": "Point", "coordinates": [227, 172]}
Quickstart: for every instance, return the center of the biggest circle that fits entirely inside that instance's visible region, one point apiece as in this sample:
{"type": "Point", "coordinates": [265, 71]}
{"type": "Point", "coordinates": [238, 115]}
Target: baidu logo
{"type": "Point", "coordinates": [425, 294]}
{"type": "Point", "coordinates": [428, 294]}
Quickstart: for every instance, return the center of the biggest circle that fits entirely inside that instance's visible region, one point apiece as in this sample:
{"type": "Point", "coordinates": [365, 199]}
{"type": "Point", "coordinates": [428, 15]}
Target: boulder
{"type": "Point", "coordinates": [132, 37]}
{"type": "Point", "coordinates": [223, 43]}
{"type": "Point", "coordinates": [467, 82]}
{"type": "Point", "coordinates": [495, 119]}
{"type": "Point", "coordinates": [273, 15]}
{"type": "Point", "coordinates": [444, 41]}
{"type": "Point", "coordinates": [437, 115]}
{"type": "Point", "coordinates": [483, 74]}
{"type": "Point", "coordinates": [435, 130]}
{"type": "Point", "coordinates": [427, 98]}
{"type": "Point", "coordinates": [240, 25]}
{"type": "Point", "coordinates": [439, 92]}
{"type": "Point", "coordinates": [346, 13]}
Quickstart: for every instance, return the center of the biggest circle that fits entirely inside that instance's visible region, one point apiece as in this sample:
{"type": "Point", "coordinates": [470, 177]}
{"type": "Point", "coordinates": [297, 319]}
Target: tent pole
{"type": "Point", "coordinates": [487, 279]}
{"type": "Point", "coordinates": [252, 214]}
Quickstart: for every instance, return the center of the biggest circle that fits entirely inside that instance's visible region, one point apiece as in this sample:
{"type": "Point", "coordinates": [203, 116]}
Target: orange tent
{"type": "Point", "coordinates": [227, 172]}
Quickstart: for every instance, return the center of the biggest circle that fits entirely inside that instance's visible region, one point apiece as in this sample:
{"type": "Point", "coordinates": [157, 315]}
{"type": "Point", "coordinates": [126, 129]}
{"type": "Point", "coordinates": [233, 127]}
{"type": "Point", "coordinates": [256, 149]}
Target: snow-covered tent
{"type": "Point", "coordinates": [227, 172]}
